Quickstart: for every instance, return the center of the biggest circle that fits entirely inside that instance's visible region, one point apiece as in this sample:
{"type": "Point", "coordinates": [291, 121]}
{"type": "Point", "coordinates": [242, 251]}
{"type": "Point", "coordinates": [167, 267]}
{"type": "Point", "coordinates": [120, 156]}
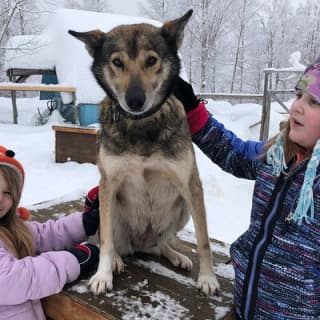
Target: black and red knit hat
{"type": "Point", "coordinates": [7, 159]}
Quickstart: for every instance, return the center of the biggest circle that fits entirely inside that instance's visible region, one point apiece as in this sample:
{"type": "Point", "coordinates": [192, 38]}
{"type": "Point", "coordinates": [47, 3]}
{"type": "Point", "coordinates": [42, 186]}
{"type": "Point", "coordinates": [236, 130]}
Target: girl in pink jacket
{"type": "Point", "coordinates": [37, 259]}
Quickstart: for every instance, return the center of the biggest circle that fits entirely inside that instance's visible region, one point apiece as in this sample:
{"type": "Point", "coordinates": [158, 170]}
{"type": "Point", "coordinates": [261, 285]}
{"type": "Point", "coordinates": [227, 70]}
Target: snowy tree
{"type": "Point", "coordinates": [307, 31]}
{"type": "Point", "coordinates": [92, 5]}
{"type": "Point", "coordinates": [246, 11]}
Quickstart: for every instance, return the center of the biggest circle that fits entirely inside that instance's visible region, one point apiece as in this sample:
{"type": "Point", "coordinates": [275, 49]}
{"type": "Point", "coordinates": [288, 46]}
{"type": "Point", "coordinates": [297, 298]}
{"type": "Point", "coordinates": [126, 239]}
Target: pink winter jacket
{"type": "Point", "coordinates": [24, 282]}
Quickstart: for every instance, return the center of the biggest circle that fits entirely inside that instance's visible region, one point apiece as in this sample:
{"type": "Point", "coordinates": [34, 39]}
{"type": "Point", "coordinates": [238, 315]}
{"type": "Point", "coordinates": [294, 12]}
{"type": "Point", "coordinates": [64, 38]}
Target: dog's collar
{"type": "Point", "coordinates": [118, 110]}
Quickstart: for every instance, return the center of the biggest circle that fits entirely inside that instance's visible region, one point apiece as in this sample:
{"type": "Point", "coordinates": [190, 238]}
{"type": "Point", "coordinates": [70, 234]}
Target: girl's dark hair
{"type": "Point", "coordinates": [14, 232]}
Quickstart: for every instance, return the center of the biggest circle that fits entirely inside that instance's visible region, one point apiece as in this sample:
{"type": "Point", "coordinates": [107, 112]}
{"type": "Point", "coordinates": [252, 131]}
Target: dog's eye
{"type": "Point", "coordinates": [117, 62]}
{"type": "Point", "coordinates": [151, 61]}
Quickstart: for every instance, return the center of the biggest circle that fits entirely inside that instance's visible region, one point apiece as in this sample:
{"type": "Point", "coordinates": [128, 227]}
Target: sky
{"type": "Point", "coordinates": [228, 199]}
{"type": "Point", "coordinates": [130, 8]}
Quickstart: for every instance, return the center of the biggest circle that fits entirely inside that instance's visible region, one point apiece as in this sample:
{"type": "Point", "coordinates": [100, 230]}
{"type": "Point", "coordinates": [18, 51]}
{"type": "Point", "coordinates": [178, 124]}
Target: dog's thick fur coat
{"type": "Point", "coordinates": [149, 179]}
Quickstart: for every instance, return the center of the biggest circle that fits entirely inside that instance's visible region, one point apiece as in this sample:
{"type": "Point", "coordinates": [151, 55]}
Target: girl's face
{"type": "Point", "coordinates": [305, 120]}
{"type": "Point", "coordinates": [6, 200]}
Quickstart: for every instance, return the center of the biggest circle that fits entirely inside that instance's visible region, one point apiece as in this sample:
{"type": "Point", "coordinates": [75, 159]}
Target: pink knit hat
{"type": "Point", "coordinates": [310, 80]}
{"type": "Point", "coordinates": [309, 83]}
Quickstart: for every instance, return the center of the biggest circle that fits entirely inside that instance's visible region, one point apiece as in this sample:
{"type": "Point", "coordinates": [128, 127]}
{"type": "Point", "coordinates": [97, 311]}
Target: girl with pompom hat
{"type": "Point", "coordinates": [37, 259]}
{"type": "Point", "coordinates": [277, 260]}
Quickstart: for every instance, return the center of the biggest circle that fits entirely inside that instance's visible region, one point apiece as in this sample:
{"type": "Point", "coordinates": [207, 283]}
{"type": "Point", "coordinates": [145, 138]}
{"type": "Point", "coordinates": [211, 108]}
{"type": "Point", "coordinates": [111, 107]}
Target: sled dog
{"type": "Point", "coordinates": [149, 178]}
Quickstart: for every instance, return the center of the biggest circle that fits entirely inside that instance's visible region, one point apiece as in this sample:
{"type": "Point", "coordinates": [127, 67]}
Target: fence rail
{"type": "Point", "coordinates": [14, 87]}
{"type": "Point", "coordinates": [232, 97]}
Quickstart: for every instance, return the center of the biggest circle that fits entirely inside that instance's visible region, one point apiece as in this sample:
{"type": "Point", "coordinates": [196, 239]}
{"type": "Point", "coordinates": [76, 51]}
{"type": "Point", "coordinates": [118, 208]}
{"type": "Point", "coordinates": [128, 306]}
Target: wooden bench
{"type": "Point", "coordinates": [13, 87]}
{"type": "Point", "coordinates": [149, 288]}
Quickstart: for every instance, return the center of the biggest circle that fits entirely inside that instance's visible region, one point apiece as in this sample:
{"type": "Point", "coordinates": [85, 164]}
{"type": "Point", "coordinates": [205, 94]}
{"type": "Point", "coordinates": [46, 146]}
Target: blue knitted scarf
{"type": "Point", "coordinates": [305, 207]}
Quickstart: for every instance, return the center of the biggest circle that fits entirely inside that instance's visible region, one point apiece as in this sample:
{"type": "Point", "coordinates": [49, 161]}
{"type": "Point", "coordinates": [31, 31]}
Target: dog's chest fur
{"type": "Point", "coordinates": [146, 159]}
{"type": "Point", "coordinates": [165, 132]}
{"type": "Point", "coordinates": [147, 201]}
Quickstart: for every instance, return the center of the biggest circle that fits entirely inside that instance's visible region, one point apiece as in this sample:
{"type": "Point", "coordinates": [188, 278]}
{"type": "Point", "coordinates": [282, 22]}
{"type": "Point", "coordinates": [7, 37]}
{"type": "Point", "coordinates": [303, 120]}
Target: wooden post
{"type": "Point", "coordinates": [14, 106]}
{"type": "Point", "coordinates": [265, 116]}
{"type": "Point", "coordinates": [14, 100]}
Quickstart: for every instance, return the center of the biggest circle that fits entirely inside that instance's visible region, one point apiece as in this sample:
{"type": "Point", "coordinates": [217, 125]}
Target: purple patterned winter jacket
{"type": "Point", "coordinates": [276, 261]}
{"type": "Point", "coordinates": [23, 282]}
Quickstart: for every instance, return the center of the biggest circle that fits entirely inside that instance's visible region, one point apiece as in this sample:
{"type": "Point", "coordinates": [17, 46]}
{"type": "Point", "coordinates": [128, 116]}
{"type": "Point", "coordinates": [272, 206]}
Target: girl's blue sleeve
{"type": "Point", "coordinates": [229, 152]}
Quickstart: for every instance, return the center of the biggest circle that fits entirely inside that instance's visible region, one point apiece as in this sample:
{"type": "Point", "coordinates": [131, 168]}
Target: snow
{"type": "Point", "coordinates": [161, 306]}
{"type": "Point", "coordinates": [55, 47]}
{"type": "Point", "coordinates": [227, 199]}
{"type": "Point", "coordinates": [30, 52]}
{"type": "Point", "coordinates": [294, 60]}
{"type": "Point", "coordinates": [296, 65]}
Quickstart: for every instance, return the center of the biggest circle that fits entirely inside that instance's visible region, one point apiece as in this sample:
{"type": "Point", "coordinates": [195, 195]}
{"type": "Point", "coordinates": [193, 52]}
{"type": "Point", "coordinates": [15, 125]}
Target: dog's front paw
{"type": "Point", "coordinates": [208, 284]}
{"type": "Point", "coordinates": [100, 282]}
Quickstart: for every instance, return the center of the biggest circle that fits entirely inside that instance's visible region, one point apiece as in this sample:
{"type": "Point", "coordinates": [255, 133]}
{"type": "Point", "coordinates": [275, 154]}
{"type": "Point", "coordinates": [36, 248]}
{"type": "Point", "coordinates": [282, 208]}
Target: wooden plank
{"type": "Point", "coordinates": [13, 87]}
{"type": "Point", "coordinates": [35, 87]}
{"type": "Point", "coordinates": [64, 307]}
{"type": "Point", "coordinates": [12, 72]}
{"type": "Point", "coordinates": [147, 285]}
{"type": "Point", "coordinates": [76, 129]}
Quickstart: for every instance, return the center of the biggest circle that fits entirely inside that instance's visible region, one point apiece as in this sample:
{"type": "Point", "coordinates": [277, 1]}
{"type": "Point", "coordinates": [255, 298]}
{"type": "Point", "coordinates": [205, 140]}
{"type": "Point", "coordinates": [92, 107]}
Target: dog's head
{"type": "Point", "coordinates": [136, 65]}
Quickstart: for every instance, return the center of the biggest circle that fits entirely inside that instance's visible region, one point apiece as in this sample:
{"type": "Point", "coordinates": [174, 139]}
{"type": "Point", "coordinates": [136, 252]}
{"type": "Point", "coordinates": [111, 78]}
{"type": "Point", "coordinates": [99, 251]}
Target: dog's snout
{"type": "Point", "coordinates": [135, 98]}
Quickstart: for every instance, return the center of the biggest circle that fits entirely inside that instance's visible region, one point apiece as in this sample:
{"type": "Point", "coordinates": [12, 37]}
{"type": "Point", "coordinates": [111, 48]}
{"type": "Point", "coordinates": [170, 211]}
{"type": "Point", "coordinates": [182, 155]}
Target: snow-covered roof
{"type": "Point", "coordinates": [29, 52]}
{"type": "Point", "coordinates": [56, 48]}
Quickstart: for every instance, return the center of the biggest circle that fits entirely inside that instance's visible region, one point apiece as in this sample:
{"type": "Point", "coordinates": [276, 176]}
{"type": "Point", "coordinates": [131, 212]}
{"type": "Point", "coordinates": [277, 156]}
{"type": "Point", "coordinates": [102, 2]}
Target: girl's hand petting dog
{"type": "Point", "coordinates": [87, 255]}
{"type": "Point", "coordinates": [184, 92]}
{"type": "Point", "coordinates": [91, 219]}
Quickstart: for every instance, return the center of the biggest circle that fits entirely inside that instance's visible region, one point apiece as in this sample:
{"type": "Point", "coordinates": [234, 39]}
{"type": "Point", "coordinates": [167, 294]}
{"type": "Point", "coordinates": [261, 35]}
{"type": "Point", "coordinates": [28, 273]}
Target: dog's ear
{"type": "Point", "coordinates": [172, 30]}
{"type": "Point", "coordinates": [92, 39]}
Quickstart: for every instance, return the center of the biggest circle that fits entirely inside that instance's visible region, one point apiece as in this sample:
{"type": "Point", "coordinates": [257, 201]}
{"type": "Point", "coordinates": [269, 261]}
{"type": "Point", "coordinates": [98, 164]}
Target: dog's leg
{"type": "Point", "coordinates": [207, 281]}
{"type": "Point", "coordinates": [109, 260]}
{"type": "Point", "coordinates": [193, 195]}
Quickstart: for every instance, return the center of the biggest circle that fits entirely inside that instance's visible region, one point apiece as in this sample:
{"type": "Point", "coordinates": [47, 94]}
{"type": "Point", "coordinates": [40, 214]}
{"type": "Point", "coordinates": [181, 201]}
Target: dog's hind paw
{"type": "Point", "coordinates": [182, 261]}
{"type": "Point", "coordinates": [176, 258]}
{"type": "Point", "coordinates": [117, 264]}
{"type": "Point", "coordinates": [99, 283]}
{"type": "Point", "coordinates": [208, 284]}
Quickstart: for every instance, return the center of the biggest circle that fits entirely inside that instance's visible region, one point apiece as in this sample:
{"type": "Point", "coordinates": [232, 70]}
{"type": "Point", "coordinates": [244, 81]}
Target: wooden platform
{"type": "Point", "coordinates": [149, 288]}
